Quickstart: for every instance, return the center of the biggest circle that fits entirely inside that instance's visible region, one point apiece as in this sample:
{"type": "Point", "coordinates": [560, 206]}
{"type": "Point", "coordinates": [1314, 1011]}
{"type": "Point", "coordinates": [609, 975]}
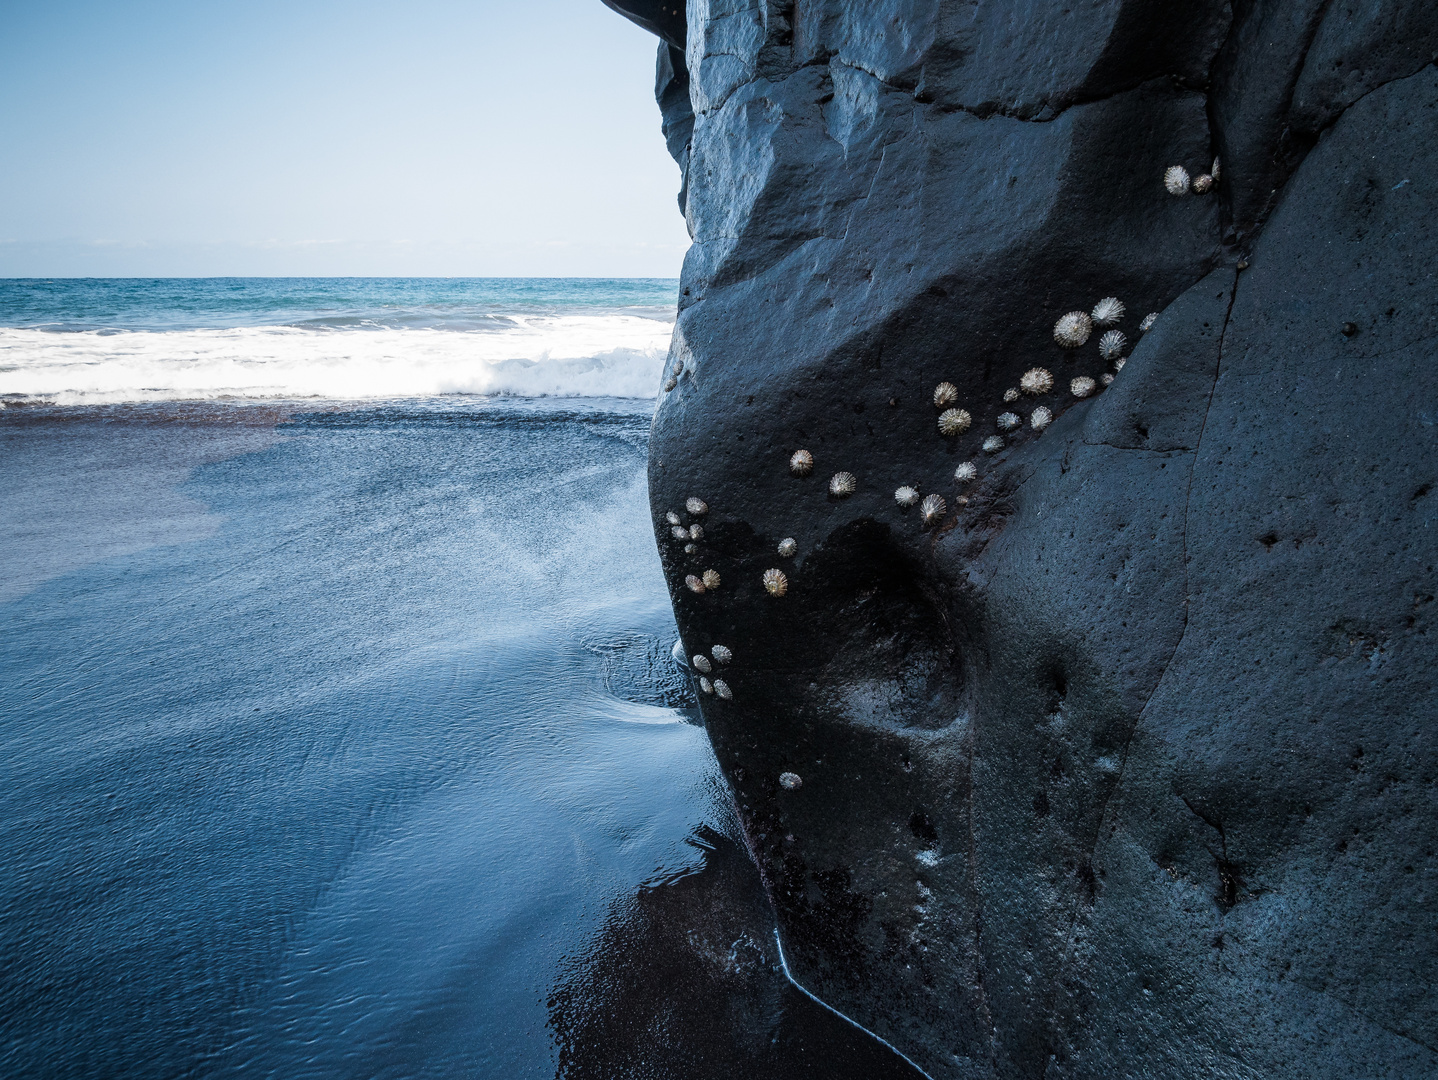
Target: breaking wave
{"type": "Point", "coordinates": [599, 355]}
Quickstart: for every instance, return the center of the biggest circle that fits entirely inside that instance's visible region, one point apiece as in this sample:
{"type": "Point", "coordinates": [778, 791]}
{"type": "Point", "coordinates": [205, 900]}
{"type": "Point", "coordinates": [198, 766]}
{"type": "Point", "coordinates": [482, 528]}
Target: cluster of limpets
{"type": "Point", "coordinates": [689, 536]}
{"type": "Point", "coordinates": [1071, 332]}
{"type": "Point", "coordinates": [1177, 181]}
{"type": "Point", "coordinates": [719, 657]}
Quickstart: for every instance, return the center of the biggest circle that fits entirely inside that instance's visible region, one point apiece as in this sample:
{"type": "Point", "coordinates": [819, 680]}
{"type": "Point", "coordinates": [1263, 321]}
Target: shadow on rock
{"type": "Point", "coordinates": [685, 981]}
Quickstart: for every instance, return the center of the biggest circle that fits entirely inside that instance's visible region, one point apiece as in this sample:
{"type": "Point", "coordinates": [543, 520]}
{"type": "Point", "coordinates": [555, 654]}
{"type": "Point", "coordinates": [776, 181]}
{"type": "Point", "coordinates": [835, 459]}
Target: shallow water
{"type": "Point", "coordinates": [344, 741]}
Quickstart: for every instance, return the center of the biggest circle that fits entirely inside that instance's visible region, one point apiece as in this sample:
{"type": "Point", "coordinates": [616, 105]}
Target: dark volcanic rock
{"type": "Point", "coordinates": [1127, 767]}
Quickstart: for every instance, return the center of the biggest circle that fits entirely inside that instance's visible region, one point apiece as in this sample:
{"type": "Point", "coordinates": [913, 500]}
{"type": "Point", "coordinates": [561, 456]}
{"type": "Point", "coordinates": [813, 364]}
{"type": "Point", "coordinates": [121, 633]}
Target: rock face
{"type": "Point", "coordinates": [1128, 764]}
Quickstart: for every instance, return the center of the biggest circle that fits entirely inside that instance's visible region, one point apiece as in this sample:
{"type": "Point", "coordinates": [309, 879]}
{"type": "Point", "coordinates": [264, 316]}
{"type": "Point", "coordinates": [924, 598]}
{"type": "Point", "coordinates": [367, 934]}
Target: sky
{"type": "Point", "coordinates": [318, 137]}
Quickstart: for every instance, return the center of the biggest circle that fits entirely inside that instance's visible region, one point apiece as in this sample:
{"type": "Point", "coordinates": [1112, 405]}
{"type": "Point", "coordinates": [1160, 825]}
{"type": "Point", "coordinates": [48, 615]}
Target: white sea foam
{"type": "Point", "coordinates": [532, 356]}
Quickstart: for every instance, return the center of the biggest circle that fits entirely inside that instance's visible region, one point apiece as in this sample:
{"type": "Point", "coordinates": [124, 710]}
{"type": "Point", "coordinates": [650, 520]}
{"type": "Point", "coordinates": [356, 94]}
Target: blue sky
{"type": "Point", "coordinates": [317, 137]}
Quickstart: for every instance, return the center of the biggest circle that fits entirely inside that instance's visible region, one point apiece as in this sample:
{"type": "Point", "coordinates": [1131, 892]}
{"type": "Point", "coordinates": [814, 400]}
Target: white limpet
{"type": "Point", "coordinates": [788, 546]}
{"type": "Point", "coordinates": [679, 532]}
{"type": "Point", "coordinates": [702, 663]}
{"type": "Point", "coordinates": [1175, 178]}
{"type": "Point", "coordinates": [1119, 363]}
{"type": "Point", "coordinates": [954, 421]}
{"type": "Point", "coordinates": [843, 484]}
{"type": "Point", "coordinates": [1213, 172]}
{"type": "Point", "coordinates": [690, 549]}
{"type": "Point", "coordinates": [993, 444]}
{"type": "Point", "coordinates": [1011, 394]}
{"type": "Point", "coordinates": [802, 463]}
{"type": "Point", "coordinates": [790, 781]}
{"type": "Point", "coordinates": [695, 584]}
{"type": "Point", "coordinates": [672, 518]}
{"type": "Point", "coordinates": [706, 685]}
{"type": "Point", "coordinates": [1083, 386]}
{"type": "Point", "coordinates": [711, 579]}
{"type": "Point", "coordinates": [966, 471]}
{"type": "Point", "coordinates": [1106, 378]}
{"type": "Point", "coordinates": [776, 582]}
{"type": "Point", "coordinates": [1008, 421]}
{"type": "Point", "coordinates": [722, 689]}
{"type": "Point", "coordinates": [1112, 345]}
{"type": "Point", "coordinates": [1041, 418]}
{"type": "Point", "coordinates": [696, 532]}
{"type": "Point", "coordinates": [945, 394]}
{"type": "Point", "coordinates": [906, 496]}
{"type": "Point", "coordinates": [1202, 182]}
{"type": "Point", "coordinates": [670, 383]}
{"type": "Point", "coordinates": [934, 509]}
{"type": "Point", "coordinates": [721, 654]}
{"type": "Point", "coordinates": [1148, 321]}
{"type": "Point", "coordinates": [1037, 381]}
{"type": "Point", "coordinates": [696, 506]}
{"type": "Point", "coordinates": [1073, 329]}
{"type": "Point", "coordinates": [1108, 311]}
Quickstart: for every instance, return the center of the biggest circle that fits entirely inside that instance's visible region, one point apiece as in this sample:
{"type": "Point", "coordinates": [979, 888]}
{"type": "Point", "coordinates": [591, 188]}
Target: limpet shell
{"type": "Point", "coordinates": [945, 394]}
{"type": "Point", "coordinates": [696, 506]}
{"type": "Point", "coordinates": [1073, 329]}
{"type": "Point", "coordinates": [843, 484]}
{"type": "Point", "coordinates": [934, 509]}
{"type": "Point", "coordinates": [1036, 381]}
{"type": "Point", "coordinates": [906, 496]}
{"type": "Point", "coordinates": [788, 546]}
{"type": "Point", "coordinates": [775, 582]}
{"type": "Point", "coordinates": [801, 463]}
{"type": "Point", "coordinates": [711, 579]}
{"type": "Point", "coordinates": [954, 421]}
{"type": "Point", "coordinates": [1108, 311]}
{"type": "Point", "coordinates": [1112, 345]}
{"type": "Point", "coordinates": [696, 585]}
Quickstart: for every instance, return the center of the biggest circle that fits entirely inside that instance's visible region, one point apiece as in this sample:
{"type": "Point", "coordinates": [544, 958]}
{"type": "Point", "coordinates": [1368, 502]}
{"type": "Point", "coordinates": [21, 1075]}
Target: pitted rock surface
{"type": "Point", "coordinates": [1127, 767]}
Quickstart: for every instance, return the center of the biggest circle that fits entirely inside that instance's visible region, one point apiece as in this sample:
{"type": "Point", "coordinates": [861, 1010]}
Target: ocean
{"type": "Point", "coordinates": [340, 729]}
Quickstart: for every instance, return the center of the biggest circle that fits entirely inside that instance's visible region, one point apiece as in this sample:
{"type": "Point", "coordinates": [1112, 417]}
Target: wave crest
{"type": "Point", "coordinates": [531, 356]}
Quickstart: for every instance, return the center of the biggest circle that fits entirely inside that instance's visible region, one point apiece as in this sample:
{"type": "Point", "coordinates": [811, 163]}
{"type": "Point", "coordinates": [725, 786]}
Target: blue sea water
{"type": "Point", "coordinates": [102, 341]}
{"type": "Point", "coordinates": [339, 733]}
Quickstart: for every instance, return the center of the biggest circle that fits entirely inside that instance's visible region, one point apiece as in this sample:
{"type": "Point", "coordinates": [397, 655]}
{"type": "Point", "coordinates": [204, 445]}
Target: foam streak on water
{"type": "Point", "coordinates": [339, 340]}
